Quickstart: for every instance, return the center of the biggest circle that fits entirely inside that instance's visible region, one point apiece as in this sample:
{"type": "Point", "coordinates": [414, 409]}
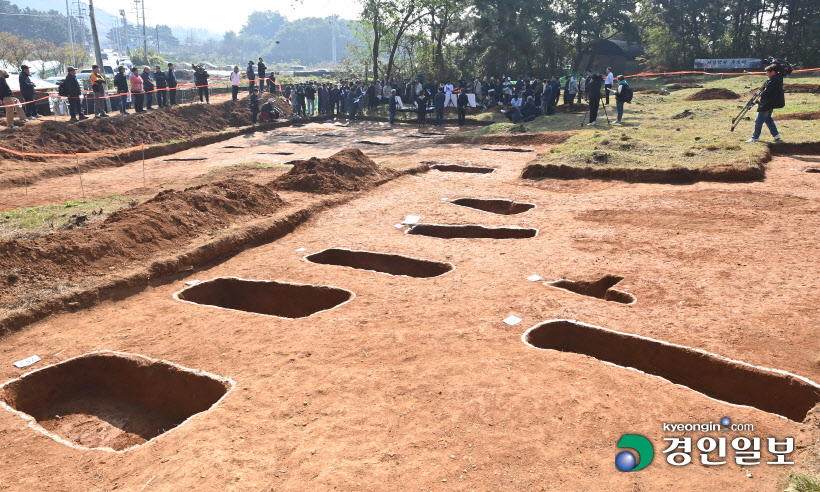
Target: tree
{"type": "Point", "coordinates": [265, 24]}
{"type": "Point", "coordinates": [43, 51]}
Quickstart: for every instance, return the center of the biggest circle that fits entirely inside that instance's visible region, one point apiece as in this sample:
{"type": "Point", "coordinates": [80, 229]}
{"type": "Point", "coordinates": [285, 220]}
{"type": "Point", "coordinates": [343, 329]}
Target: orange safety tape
{"type": "Point", "coordinates": [648, 74]}
{"type": "Point", "coordinates": [78, 154]}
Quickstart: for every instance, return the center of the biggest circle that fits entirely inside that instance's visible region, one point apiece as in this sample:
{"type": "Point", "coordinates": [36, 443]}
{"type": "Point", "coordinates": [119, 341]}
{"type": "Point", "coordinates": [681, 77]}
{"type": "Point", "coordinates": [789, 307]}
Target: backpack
{"type": "Point", "coordinates": [62, 89]}
{"type": "Point", "coordinates": [626, 94]}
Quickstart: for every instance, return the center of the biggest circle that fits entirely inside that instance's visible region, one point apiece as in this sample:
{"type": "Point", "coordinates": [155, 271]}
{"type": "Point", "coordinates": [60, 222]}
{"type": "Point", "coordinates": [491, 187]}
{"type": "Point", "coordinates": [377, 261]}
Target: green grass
{"type": "Point", "coordinates": [801, 482]}
{"type": "Point", "coordinates": [650, 138]}
{"type": "Point", "coordinates": [37, 221]}
{"type": "Point", "coordinates": [246, 165]}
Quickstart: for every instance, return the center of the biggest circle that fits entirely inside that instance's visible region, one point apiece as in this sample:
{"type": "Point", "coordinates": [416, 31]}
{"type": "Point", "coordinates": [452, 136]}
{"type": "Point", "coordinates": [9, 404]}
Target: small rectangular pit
{"type": "Point", "coordinates": [728, 380]}
{"type": "Point", "coordinates": [270, 298]}
{"type": "Point", "coordinates": [457, 168]}
{"type": "Point", "coordinates": [390, 264]}
{"type": "Point", "coordinates": [471, 231]}
{"type": "Point", "coordinates": [600, 289]}
{"type": "Point", "coordinates": [494, 206]}
{"type": "Point", "coordinates": [111, 400]}
{"type": "Point", "coordinates": [508, 149]}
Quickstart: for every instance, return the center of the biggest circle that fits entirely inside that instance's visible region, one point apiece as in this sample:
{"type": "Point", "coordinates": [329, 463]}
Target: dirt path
{"type": "Point", "coordinates": [418, 382]}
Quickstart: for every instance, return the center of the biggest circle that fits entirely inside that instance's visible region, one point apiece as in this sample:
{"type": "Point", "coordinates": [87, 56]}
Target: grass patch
{"type": "Point", "coordinates": [650, 138]}
{"type": "Point", "coordinates": [246, 165]}
{"type": "Point", "coordinates": [801, 482]}
{"type": "Point", "coordinates": [38, 221]}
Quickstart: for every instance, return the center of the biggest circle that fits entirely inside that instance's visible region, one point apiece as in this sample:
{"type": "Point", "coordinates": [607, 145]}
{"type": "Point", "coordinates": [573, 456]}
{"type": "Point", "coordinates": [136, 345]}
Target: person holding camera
{"type": "Point", "coordinates": [201, 81]}
{"type": "Point", "coordinates": [771, 97]}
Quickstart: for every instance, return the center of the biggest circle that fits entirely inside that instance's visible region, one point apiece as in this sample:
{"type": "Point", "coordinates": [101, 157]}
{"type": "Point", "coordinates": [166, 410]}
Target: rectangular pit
{"type": "Point", "coordinates": [470, 231]}
{"type": "Point", "coordinates": [111, 400]}
{"type": "Point", "coordinates": [720, 378]}
{"type": "Point", "coordinates": [494, 206]}
{"type": "Point", "coordinates": [270, 298]}
{"type": "Point", "coordinates": [390, 264]}
{"type": "Point", "coordinates": [457, 168]}
{"type": "Point", "coordinates": [600, 289]}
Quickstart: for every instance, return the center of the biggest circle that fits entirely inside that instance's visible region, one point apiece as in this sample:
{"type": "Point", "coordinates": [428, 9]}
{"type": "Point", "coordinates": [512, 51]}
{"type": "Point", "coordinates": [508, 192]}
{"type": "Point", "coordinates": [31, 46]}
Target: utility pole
{"type": "Point", "coordinates": [157, 38]}
{"type": "Point", "coordinates": [125, 37]}
{"type": "Point", "coordinates": [81, 16]}
{"type": "Point", "coordinates": [70, 31]}
{"type": "Point", "coordinates": [97, 50]}
{"type": "Point", "coordinates": [144, 36]}
{"type": "Point", "coordinates": [137, 13]}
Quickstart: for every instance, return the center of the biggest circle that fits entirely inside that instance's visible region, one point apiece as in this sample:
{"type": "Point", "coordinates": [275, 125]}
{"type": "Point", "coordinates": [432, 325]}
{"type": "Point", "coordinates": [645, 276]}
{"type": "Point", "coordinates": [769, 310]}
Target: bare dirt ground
{"type": "Point", "coordinates": [416, 383]}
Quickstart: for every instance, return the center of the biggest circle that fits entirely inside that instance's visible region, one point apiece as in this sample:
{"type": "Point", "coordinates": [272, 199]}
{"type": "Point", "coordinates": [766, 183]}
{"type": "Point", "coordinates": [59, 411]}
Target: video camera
{"type": "Point", "coordinates": [783, 66]}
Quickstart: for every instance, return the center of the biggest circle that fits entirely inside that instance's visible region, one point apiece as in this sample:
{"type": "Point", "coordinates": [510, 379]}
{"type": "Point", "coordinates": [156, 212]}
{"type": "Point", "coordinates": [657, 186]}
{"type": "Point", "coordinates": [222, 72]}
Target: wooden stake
{"type": "Point", "coordinates": [81, 175]}
{"type": "Point", "coordinates": [25, 168]}
{"type": "Point", "coordinates": [143, 165]}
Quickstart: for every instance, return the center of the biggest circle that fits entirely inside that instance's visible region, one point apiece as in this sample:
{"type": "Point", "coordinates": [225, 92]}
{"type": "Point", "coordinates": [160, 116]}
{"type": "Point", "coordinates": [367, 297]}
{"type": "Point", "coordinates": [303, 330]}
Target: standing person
{"type": "Point", "coordinates": [461, 104]}
{"type": "Point", "coordinates": [271, 82]}
{"type": "Point", "coordinates": [254, 103]}
{"type": "Point", "coordinates": [8, 100]}
{"type": "Point", "coordinates": [547, 100]}
{"type": "Point", "coordinates": [335, 95]}
{"type": "Point", "coordinates": [27, 90]}
{"type": "Point", "coordinates": [448, 89]}
{"type": "Point", "coordinates": [771, 97]}
{"type": "Point", "coordinates": [201, 81]}
{"type": "Point", "coordinates": [300, 101]}
{"type": "Point", "coordinates": [392, 106]}
{"type": "Point", "coordinates": [162, 85]}
{"type": "Point", "coordinates": [422, 107]}
{"type": "Point", "coordinates": [148, 88]}
{"type": "Point", "coordinates": [251, 77]}
{"type": "Point", "coordinates": [610, 77]}
{"type": "Point", "coordinates": [74, 92]}
{"type": "Point", "coordinates": [136, 90]}
{"type": "Point", "coordinates": [438, 103]}
{"type": "Point", "coordinates": [594, 97]}
{"type": "Point", "coordinates": [100, 87]}
{"type": "Point", "coordinates": [261, 67]}
{"type": "Point", "coordinates": [621, 97]}
{"type": "Point", "coordinates": [582, 85]}
{"type": "Point", "coordinates": [121, 84]}
{"type": "Point", "coordinates": [310, 97]}
{"type": "Point", "coordinates": [351, 107]}
{"type": "Point", "coordinates": [556, 90]}
{"type": "Point", "coordinates": [236, 80]}
{"type": "Point", "coordinates": [171, 77]}
{"type": "Point", "coordinates": [572, 88]}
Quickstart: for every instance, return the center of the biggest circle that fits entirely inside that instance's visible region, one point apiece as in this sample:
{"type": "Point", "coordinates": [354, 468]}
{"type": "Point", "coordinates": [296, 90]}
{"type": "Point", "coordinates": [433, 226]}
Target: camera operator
{"type": "Point", "coordinates": [771, 97]}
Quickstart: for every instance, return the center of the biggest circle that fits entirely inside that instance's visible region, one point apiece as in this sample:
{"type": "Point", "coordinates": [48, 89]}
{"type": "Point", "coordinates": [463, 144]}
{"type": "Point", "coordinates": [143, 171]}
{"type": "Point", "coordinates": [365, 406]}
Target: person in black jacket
{"type": "Point", "coordinates": [171, 78]}
{"type": "Point", "coordinates": [530, 111]}
{"type": "Point", "coordinates": [201, 81]}
{"type": "Point", "coordinates": [148, 88]}
{"type": "Point", "coordinates": [7, 99]}
{"type": "Point", "coordinates": [438, 103]}
{"type": "Point", "coordinates": [162, 84]}
{"type": "Point", "coordinates": [121, 84]}
{"type": "Point", "coordinates": [392, 105]}
{"type": "Point", "coordinates": [254, 105]}
{"type": "Point", "coordinates": [461, 104]}
{"type": "Point", "coordinates": [27, 90]}
{"type": "Point", "coordinates": [593, 93]}
{"type": "Point", "coordinates": [74, 92]}
{"type": "Point", "coordinates": [771, 97]}
{"type": "Point", "coordinates": [262, 67]}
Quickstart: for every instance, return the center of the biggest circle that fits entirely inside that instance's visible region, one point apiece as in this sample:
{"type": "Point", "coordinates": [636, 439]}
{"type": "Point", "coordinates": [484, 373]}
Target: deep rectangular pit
{"type": "Point", "coordinates": [281, 299]}
{"type": "Point", "coordinates": [724, 379]}
{"type": "Point", "coordinates": [381, 262]}
{"type": "Point", "coordinates": [112, 400]}
{"type": "Point", "coordinates": [457, 168]}
{"type": "Point", "coordinates": [600, 289]}
{"type": "Point", "coordinates": [495, 206]}
{"type": "Point", "coordinates": [508, 149]}
{"type": "Point", "coordinates": [470, 231]}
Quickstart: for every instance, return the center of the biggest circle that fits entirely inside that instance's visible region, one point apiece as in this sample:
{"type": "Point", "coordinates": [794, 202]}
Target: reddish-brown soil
{"type": "Point", "coordinates": [652, 91]}
{"type": "Point", "coordinates": [347, 170]}
{"type": "Point", "coordinates": [548, 138]}
{"type": "Point", "coordinates": [418, 382]}
{"type": "Point", "coordinates": [809, 115]}
{"type": "Point", "coordinates": [708, 94]}
{"type": "Point", "coordinates": [684, 85]}
{"type": "Point", "coordinates": [812, 88]}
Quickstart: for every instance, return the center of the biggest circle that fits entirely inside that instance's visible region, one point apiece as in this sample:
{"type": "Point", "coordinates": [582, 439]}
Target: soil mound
{"type": "Point", "coordinates": [709, 94]}
{"type": "Point", "coordinates": [241, 114]}
{"type": "Point", "coordinates": [346, 170]}
{"type": "Point", "coordinates": [162, 224]}
{"type": "Point", "coordinates": [162, 125]}
{"type": "Point", "coordinates": [812, 88]}
{"type": "Point", "coordinates": [684, 85]}
{"type": "Point", "coordinates": [651, 91]}
{"type": "Point", "coordinates": [549, 138]}
{"type": "Point", "coordinates": [809, 115]}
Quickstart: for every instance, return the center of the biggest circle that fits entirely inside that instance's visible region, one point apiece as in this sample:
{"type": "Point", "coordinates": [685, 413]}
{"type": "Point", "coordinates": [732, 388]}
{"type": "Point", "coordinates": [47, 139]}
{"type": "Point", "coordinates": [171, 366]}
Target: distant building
{"type": "Point", "coordinates": [620, 55]}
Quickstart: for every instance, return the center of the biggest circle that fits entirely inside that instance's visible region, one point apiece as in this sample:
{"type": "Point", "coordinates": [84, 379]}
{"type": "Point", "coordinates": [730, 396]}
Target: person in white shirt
{"type": "Point", "coordinates": [516, 101]}
{"type": "Point", "coordinates": [448, 89]}
{"type": "Point", "coordinates": [236, 80]}
{"type": "Point", "coordinates": [610, 77]}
